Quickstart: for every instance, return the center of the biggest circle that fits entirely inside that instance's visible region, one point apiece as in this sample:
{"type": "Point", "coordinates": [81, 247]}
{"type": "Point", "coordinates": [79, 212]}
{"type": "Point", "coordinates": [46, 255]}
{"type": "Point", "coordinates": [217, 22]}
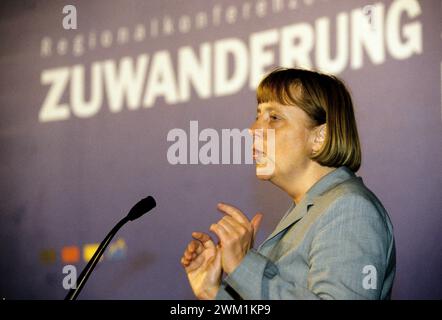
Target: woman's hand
{"type": "Point", "coordinates": [236, 234]}
{"type": "Point", "coordinates": [202, 263]}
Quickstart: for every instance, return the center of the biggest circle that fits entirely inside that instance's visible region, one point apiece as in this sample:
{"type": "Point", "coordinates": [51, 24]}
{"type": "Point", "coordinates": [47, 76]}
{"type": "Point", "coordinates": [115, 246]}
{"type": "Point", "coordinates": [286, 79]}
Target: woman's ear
{"type": "Point", "coordinates": [320, 133]}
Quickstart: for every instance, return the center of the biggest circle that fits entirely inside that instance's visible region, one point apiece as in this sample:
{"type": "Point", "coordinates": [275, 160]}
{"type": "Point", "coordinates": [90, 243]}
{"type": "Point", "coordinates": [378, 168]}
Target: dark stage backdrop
{"type": "Point", "coordinates": [86, 114]}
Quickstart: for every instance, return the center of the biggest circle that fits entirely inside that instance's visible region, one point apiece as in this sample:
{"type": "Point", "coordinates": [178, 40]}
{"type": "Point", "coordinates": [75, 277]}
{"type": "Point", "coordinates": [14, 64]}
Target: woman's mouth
{"type": "Point", "coordinates": [258, 155]}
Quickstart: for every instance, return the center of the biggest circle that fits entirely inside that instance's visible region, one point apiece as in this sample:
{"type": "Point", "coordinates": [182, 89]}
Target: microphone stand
{"type": "Point", "coordinates": [139, 209]}
{"type": "Point", "coordinates": [73, 293]}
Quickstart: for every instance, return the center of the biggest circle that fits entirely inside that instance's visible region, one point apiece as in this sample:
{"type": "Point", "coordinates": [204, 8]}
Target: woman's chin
{"type": "Point", "coordinates": [263, 177]}
{"type": "Point", "coordinates": [265, 171]}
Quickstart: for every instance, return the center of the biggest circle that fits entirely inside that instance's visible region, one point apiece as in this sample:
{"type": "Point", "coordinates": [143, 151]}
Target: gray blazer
{"type": "Point", "coordinates": [337, 243]}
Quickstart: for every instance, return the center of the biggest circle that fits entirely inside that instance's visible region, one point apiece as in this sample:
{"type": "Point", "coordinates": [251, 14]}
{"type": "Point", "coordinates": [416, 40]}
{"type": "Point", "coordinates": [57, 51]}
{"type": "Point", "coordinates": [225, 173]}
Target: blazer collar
{"type": "Point", "coordinates": [296, 212]}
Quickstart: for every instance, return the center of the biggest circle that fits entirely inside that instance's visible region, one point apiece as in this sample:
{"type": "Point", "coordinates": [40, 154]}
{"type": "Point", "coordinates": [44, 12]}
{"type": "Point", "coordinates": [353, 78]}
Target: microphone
{"type": "Point", "coordinates": [143, 206]}
{"type": "Point", "coordinates": [139, 209]}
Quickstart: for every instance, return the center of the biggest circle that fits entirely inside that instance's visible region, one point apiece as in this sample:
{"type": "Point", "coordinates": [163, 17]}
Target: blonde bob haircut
{"type": "Point", "coordinates": [325, 99]}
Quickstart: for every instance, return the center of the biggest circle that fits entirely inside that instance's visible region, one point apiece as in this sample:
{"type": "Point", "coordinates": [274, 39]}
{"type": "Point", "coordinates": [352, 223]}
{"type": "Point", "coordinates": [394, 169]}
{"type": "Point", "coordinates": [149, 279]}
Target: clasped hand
{"type": "Point", "coordinates": [204, 262]}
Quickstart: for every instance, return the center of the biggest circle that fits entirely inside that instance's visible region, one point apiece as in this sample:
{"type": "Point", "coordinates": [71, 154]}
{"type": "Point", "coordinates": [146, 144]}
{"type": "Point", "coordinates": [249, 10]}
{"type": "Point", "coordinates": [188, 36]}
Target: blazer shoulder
{"type": "Point", "coordinates": [354, 195]}
{"type": "Point", "coordinates": [353, 188]}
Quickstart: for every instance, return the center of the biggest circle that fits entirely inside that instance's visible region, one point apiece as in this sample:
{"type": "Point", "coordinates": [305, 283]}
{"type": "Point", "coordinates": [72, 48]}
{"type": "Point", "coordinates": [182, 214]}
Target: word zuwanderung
{"type": "Point", "coordinates": [134, 83]}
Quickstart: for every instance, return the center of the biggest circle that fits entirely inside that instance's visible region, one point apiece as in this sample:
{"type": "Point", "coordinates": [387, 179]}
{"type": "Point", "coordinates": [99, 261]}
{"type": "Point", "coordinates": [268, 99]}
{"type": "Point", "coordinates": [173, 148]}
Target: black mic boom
{"type": "Point", "coordinates": [142, 207]}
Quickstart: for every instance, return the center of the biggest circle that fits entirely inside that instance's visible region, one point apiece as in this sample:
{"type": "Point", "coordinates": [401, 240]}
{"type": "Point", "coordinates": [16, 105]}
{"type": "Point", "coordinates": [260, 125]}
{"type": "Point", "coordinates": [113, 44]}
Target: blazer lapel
{"type": "Point", "coordinates": [294, 215]}
{"type": "Point", "coordinates": [296, 212]}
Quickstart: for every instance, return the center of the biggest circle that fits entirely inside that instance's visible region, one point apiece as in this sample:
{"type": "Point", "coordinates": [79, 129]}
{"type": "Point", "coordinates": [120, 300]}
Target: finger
{"type": "Point", "coordinates": [195, 264]}
{"type": "Point", "coordinates": [195, 247]}
{"type": "Point", "coordinates": [188, 255]}
{"type": "Point", "coordinates": [235, 223]}
{"type": "Point", "coordinates": [204, 238]}
{"type": "Point", "coordinates": [238, 228]}
{"type": "Point", "coordinates": [233, 212]}
{"type": "Point", "coordinates": [196, 252]}
{"type": "Point", "coordinates": [184, 259]}
{"type": "Point", "coordinates": [256, 222]}
{"type": "Point", "coordinates": [185, 262]}
{"type": "Point", "coordinates": [199, 249]}
{"type": "Point", "coordinates": [191, 247]}
{"type": "Point", "coordinates": [230, 229]}
{"type": "Point", "coordinates": [218, 258]}
{"type": "Point", "coordinates": [220, 232]}
{"type": "Point", "coordinates": [201, 236]}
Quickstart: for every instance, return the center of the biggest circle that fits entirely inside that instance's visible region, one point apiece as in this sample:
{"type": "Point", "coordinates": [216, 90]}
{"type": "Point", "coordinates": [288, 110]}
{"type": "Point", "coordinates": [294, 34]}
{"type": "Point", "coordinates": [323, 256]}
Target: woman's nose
{"type": "Point", "coordinates": [252, 129]}
{"type": "Point", "coordinates": [256, 130]}
{"type": "Point", "coordinates": [255, 125]}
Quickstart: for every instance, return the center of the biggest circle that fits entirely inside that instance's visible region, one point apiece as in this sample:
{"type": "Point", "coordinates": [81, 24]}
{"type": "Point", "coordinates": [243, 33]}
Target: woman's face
{"type": "Point", "coordinates": [292, 141]}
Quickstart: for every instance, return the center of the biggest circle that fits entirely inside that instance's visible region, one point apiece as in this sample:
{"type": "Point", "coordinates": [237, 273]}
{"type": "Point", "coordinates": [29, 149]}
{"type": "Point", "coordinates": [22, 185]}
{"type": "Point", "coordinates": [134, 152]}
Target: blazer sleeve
{"type": "Point", "coordinates": [222, 293]}
{"type": "Point", "coordinates": [351, 235]}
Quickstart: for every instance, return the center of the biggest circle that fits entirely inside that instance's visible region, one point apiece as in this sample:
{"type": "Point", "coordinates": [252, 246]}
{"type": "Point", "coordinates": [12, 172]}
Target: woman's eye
{"type": "Point", "coordinates": [273, 117]}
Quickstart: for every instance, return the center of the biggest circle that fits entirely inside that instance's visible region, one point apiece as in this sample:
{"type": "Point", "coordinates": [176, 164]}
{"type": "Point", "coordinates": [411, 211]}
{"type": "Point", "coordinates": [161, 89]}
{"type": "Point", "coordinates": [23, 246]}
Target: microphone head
{"type": "Point", "coordinates": [143, 206]}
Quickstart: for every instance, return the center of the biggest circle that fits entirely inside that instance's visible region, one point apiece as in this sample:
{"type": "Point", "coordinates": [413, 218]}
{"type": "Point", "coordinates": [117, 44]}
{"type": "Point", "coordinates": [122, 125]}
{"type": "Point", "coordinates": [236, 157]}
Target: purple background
{"type": "Point", "coordinates": [67, 182]}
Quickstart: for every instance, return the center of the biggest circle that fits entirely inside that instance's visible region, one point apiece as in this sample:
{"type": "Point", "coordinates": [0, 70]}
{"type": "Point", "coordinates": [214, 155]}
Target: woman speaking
{"type": "Point", "coordinates": [336, 239]}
